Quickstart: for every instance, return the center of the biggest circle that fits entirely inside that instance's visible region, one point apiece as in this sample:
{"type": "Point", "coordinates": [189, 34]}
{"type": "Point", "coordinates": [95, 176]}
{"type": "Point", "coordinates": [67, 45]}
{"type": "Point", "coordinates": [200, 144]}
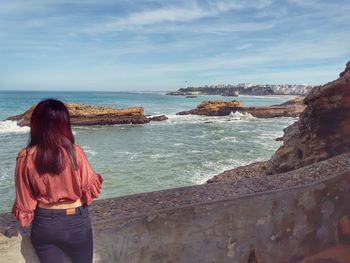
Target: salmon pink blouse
{"type": "Point", "coordinates": [70, 185]}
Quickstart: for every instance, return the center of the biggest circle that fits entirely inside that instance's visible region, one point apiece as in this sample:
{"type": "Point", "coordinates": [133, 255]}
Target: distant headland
{"type": "Point", "coordinates": [245, 89]}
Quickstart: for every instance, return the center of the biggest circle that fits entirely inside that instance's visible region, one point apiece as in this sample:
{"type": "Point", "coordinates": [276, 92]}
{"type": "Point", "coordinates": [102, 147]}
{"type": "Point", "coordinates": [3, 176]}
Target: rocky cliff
{"type": "Point", "coordinates": [323, 129]}
{"type": "Point", "coordinates": [291, 108]}
{"type": "Point", "coordinates": [82, 114]}
{"type": "Point", "coordinates": [321, 132]}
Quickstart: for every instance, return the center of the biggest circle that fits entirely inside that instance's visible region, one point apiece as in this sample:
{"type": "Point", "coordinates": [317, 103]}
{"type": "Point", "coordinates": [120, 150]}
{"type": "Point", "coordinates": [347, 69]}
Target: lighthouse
{"type": "Point", "coordinates": [186, 84]}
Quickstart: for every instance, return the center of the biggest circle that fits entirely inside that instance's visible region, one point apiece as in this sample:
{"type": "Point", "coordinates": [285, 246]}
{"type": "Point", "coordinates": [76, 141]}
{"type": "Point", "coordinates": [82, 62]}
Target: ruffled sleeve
{"type": "Point", "coordinates": [92, 189]}
{"type": "Point", "coordinates": [25, 217]}
{"type": "Point", "coordinates": [91, 181]}
{"type": "Point", "coordinates": [25, 203]}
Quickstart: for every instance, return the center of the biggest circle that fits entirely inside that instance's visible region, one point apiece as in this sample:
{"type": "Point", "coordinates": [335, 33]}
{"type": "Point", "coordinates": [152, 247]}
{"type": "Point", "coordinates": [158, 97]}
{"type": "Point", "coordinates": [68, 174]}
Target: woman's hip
{"type": "Point", "coordinates": [64, 225]}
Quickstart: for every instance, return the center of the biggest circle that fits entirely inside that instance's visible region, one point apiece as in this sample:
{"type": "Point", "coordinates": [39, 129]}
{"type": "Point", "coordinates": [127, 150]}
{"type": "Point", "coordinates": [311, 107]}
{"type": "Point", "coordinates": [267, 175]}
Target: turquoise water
{"type": "Point", "coordinates": [184, 150]}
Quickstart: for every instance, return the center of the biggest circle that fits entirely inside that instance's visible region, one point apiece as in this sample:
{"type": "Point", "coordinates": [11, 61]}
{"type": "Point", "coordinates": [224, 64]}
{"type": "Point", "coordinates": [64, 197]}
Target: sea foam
{"type": "Point", "coordinates": [88, 150]}
{"type": "Point", "coordinates": [233, 116]}
{"type": "Point", "coordinates": [7, 127]}
{"type": "Point", "coordinates": [237, 115]}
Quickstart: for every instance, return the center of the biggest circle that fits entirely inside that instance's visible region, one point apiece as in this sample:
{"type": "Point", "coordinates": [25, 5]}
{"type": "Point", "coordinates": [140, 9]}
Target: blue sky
{"type": "Point", "coordinates": [157, 45]}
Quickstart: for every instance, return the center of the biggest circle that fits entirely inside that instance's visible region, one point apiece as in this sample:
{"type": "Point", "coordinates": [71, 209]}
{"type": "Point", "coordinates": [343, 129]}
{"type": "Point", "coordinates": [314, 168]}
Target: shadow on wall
{"type": "Point", "coordinates": [28, 252]}
{"type": "Point", "coordinates": [27, 249]}
{"type": "Point", "coordinates": [9, 224]}
{"type": "Point", "coordinates": [14, 232]}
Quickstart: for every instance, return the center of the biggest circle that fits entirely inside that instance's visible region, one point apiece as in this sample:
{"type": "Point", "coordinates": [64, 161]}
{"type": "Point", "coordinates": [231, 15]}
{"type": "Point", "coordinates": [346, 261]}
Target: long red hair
{"type": "Point", "coordinates": [51, 133]}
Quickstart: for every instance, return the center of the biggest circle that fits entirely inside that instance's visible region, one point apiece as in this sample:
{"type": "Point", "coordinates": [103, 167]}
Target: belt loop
{"type": "Point", "coordinates": [80, 210]}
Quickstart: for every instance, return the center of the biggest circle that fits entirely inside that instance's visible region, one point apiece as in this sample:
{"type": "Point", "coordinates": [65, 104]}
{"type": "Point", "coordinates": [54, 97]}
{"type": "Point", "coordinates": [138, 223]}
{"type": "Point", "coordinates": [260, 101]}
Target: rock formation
{"type": "Point", "coordinates": [158, 118]}
{"type": "Point", "coordinates": [214, 108]}
{"type": "Point", "coordinates": [291, 108]}
{"type": "Point", "coordinates": [82, 114]}
{"type": "Point", "coordinates": [323, 129]}
{"type": "Point", "coordinates": [321, 133]}
{"type": "Point", "coordinates": [252, 170]}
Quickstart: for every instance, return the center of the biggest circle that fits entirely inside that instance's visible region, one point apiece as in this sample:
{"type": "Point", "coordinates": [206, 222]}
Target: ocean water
{"type": "Point", "coordinates": [184, 150]}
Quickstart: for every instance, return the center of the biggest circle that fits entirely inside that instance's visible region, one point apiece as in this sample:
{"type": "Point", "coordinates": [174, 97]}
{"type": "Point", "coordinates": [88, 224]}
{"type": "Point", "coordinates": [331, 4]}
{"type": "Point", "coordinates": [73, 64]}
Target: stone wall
{"type": "Point", "coordinates": [278, 219]}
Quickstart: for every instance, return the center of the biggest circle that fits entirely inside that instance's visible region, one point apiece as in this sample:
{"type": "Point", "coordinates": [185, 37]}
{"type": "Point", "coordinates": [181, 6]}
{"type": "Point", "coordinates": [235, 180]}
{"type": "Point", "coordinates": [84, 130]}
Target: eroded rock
{"type": "Point", "coordinates": [83, 114]}
{"type": "Point", "coordinates": [323, 128]}
{"type": "Point", "coordinates": [158, 118]}
{"type": "Point", "coordinates": [291, 108]}
{"type": "Point", "coordinates": [252, 170]}
{"type": "Point", "coordinates": [214, 108]}
{"type": "Point", "coordinates": [321, 132]}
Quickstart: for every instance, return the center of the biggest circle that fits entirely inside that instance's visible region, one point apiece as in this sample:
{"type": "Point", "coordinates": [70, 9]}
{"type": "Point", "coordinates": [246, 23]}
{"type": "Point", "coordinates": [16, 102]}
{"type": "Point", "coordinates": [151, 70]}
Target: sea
{"type": "Point", "coordinates": [181, 151]}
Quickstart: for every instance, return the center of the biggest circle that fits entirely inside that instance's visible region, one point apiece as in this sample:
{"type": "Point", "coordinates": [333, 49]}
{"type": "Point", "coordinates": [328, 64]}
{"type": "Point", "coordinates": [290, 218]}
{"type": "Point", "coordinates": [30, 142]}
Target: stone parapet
{"type": "Point", "coordinates": [276, 218]}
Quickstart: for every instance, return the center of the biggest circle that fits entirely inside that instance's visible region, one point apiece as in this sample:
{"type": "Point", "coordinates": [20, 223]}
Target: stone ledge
{"type": "Point", "coordinates": [151, 203]}
{"type": "Point", "coordinates": [281, 218]}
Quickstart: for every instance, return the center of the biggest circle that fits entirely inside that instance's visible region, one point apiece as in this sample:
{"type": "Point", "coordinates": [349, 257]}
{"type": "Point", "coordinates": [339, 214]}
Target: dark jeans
{"type": "Point", "coordinates": [54, 233]}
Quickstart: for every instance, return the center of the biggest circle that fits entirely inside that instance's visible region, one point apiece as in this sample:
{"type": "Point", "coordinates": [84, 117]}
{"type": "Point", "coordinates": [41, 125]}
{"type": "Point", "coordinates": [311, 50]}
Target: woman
{"type": "Point", "coordinates": [54, 185]}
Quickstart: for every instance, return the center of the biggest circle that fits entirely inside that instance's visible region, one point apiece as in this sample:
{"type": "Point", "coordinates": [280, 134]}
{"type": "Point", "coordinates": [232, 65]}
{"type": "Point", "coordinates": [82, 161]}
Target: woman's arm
{"type": "Point", "coordinates": [91, 181]}
{"type": "Point", "coordinates": [25, 203]}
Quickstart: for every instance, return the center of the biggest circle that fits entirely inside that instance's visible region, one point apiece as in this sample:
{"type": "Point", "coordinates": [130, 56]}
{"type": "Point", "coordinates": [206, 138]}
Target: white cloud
{"type": "Point", "coordinates": [303, 2]}
{"type": "Point", "coordinates": [187, 12]}
{"type": "Point", "coordinates": [244, 46]}
{"type": "Point", "coordinates": [172, 14]}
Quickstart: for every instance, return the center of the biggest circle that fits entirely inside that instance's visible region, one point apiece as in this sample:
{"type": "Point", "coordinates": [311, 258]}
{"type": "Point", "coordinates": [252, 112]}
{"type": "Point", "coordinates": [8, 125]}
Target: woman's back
{"type": "Point", "coordinates": [69, 185]}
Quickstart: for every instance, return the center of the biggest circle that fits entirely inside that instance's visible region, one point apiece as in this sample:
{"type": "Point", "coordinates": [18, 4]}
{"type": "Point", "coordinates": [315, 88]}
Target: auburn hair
{"type": "Point", "coordinates": [51, 133]}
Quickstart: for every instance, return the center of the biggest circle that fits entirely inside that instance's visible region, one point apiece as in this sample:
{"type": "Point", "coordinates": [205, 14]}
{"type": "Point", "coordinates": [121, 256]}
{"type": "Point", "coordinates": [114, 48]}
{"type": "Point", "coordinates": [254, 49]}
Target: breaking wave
{"type": "Point", "coordinates": [10, 127]}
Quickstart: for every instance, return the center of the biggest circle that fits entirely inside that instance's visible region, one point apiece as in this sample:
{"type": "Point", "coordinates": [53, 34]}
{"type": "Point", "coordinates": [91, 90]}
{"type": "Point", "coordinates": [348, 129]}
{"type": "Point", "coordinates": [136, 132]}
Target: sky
{"type": "Point", "coordinates": [145, 45]}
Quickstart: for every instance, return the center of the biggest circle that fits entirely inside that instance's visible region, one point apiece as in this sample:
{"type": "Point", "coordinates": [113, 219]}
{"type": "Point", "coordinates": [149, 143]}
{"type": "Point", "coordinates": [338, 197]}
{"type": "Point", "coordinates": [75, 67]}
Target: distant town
{"type": "Point", "coordinates": [244, 89]}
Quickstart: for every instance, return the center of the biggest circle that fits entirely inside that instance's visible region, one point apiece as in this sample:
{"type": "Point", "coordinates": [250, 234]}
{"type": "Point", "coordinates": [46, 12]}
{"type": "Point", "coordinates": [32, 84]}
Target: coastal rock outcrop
{"type": "Point", "coordinates": [158, 118]}
{"type": "Point", "coordinates": [213, 108]}
{"type": "Point", "coordinates": [291, 108]}
{"type": "Point", "coordinates": [252, 170]}
{"type": "Point", "coordinates": [321, 132]}
{"type": "Point", "coordinates": [323, 128]}
{"type": "Point", "coordinates": [83, 114]}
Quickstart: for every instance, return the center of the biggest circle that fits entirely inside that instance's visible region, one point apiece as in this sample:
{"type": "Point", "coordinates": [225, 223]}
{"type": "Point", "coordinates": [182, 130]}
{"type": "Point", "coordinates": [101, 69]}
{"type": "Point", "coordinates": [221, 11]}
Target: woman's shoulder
{"type": "Point", "coordinates": [80, 154]}
{"type": "Point", "coordinates": [26, 151]}
{"type": "Point", "coordinates": [78, 147]}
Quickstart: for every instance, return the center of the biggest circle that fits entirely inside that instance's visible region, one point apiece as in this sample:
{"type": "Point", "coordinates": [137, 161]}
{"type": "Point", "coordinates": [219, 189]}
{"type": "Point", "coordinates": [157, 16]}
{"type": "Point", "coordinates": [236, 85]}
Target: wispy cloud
{"type": "Point", "coordinates": [157, 44]}
{"type": "Point", "coordinates": [186, 12]}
